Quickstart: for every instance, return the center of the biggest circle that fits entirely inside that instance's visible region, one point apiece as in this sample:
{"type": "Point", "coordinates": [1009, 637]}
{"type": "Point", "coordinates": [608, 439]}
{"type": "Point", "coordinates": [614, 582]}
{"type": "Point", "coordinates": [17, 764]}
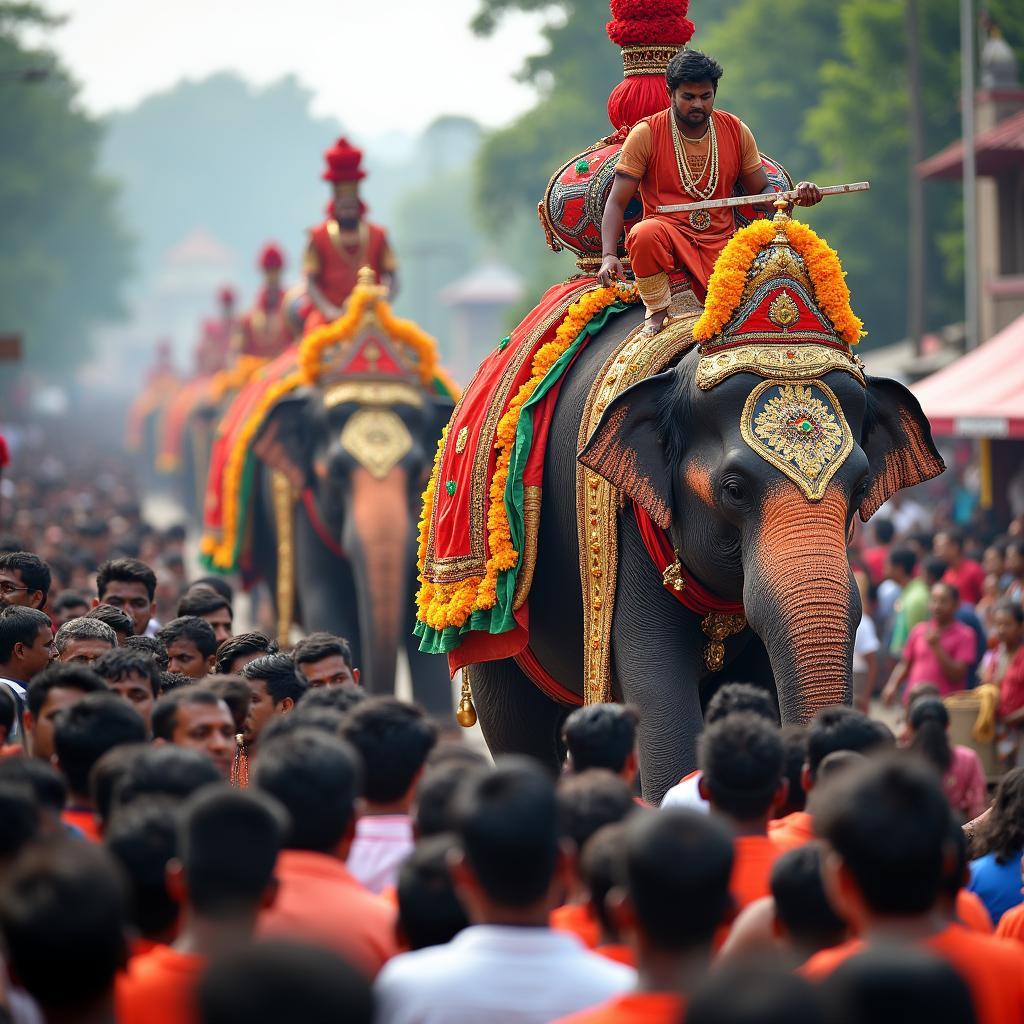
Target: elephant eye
{"type": "Point", "coordinates": [733, 490]}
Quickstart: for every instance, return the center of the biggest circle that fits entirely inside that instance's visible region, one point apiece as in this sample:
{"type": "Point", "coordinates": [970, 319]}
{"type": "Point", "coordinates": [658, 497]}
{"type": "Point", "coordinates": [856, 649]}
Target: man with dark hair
{"type": "Point", "coordinates": [324, 659]}
{"type": "Point", "coordinates": [941, 650]}
{"type": "Point", "coordinates": [48, 788]}
{"type": "Point", "coordinates": [164, 770]}
{"type": "Point", "coordinates": [143, 837]}
{"type": "Point", "coordinates": [272, 982]}
{"type": "Point", "coordinates": [134, 677]}
{"type": "Point", "coordinates": [120, 622]}
{"type": "Point", "coordinates": [587, 802]}
{"type": "Point", "coordinates": [741, 762]}
{"type": "Point", "coordinates": [150, 646]}
{"type": "Point", "coordinates": [316, 779]}
{"type": "Point", "coordinates": [207, 604]}
{"type": "Point", "coordinates": [53, 690]}
{"type": "Point", "coordinates": [63, 913]}
{"type": "Point", "coordinates": [194, 717]}
{"type": "Point", "coordinates": [509, 874]}
{"type": "Point", "coordinates": [433, 800]}
{"type": "Point", "coordinates": [673, 860]}
{"type": "Point", "coordinates": [217, 584]}
{"type": "Point", "coordinates": [68, 604]}
{"type": "Point", "coordinates": [602, 867]}
{"type": "Point", "coordinates": [741, 993]}
{"type": "Point", "coordinates": [8, 723]}
{"type": "Point", "coordinates": [26, 648]}
{"type": "Point", "coordinates": [833, 729]}
{"type": "Point", "coordinates": [603, 736]}
{"type": "Point", "coordinates": [82, 641]}
{"type": "Point", "coordinates": [228, 841]}
{"type": "Point", "coordinates": [687, 153]}
{"type": "Point", "coordinates": [82, 734]}
{"type": "Point", "coordinates": [130, 585]}
{"type": "Point", "coordinates": [275, 688]}
{"type": "Point", "coordinates": [429, 912]}
{"type": "Point", "coordinates": [393, 739]}
{"type": "Point", "coordinates": [911, 606]}
{"type": "Point", "coordinates": [234, 654]}
{"type": "Point", "coordinates": [887, 823]}
{"type": "Point", "coordinates": [191, 646]}
{"type": "Point", "coordinates": [728, 699]}
{"type": "Point", "coordinates": [963, 573]}
{"type": "Point", "coordinates": [24, 579]}
{"type": "Point", "coordinates": [343, 697]}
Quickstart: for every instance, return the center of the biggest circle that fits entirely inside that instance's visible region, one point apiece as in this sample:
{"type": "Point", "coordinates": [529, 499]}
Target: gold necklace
{"type": "Point", "coordinates": [686, 179]}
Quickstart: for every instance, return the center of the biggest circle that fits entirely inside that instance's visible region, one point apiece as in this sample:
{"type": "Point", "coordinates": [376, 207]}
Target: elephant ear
{"type": "Point", "coordinates": [628, 448]}
{"type": "Point", "coordinates": [898, 443]}
{"type": "Point", "coordinates": [284, 441]}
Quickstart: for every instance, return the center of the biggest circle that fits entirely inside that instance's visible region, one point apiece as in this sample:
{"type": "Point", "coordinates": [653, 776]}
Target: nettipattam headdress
{"type": "Point", "coordinates": [778, 306]}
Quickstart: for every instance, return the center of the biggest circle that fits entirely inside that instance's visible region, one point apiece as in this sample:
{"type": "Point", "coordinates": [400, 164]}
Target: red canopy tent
{"type": "Point", "coordinates": [982, 393]}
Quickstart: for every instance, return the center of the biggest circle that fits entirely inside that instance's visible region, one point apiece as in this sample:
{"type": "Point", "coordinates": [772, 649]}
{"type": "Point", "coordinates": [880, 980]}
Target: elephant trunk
{"type": "Point", "coordinates": [377, 541]}
{"type": "Point", "coordinates": [802, 601]}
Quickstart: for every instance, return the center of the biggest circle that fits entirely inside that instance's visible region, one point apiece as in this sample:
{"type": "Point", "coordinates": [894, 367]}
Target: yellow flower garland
{"type": "Point", "coordinates": [728, 279]}
{"type": "Point", "coordinates": [236, 377]}
{"type": "Point", "coordinates": [221, 550]}
{"type": "Point", "coordinates": [441, 605]}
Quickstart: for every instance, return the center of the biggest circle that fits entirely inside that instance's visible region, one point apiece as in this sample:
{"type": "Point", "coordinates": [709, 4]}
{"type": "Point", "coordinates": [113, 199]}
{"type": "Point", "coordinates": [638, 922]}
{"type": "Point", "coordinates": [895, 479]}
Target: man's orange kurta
{"type": "Point", "coordinates": [264, 330]}
{"type": "Point", "coordinates": [666, 241]}
{"type": "Point", "coordinates": [332, 264]}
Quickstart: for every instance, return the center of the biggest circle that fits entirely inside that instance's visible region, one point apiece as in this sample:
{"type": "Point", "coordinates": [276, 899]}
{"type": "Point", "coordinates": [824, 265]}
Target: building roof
{"type": "Point", "coordinates": [997, 150]}
{"type": "Point", "coordinates": [982, 393]}
{"type": "Point", "coordinates": [489, 284]}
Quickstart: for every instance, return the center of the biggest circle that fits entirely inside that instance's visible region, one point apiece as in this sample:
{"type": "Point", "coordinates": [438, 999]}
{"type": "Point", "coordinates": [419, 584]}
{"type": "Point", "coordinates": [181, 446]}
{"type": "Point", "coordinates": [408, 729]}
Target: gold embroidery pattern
{"type": "Point", "coordinates": [782, 310]}
{"type": "Point", "coordinates": [528, 562]}
{"type": "Point", "coordinates": [461, 440]}
{"type": "Point", "coordinates": [377, 439]}
{"type": "Point", "coordinates": [801, 431]}
{"type": "Point", "coordinates": [370, 392]}
{"type": "Point", "coordinates": [598, 502]}
{"type": "Point", "coordinates": [777, 361]}
{"type": "Point", "coordinates": [455, 568]}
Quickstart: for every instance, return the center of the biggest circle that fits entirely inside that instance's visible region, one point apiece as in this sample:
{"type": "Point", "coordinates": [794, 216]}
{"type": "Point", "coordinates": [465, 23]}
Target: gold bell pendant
{"type": "Point", "coordinates": [466, 714]}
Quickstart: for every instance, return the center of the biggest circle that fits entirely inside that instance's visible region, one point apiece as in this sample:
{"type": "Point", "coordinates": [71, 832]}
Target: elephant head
{"type": "Point", "coordinates": [755, 523]}
{"type": "Point", "coordinates": [364, 449]}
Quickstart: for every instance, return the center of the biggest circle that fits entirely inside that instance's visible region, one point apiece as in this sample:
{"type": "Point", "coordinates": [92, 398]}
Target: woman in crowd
{"type": "Point", "coordinates": [997, 849]}
{"type": "Point", "coordinates": [1003, 666]}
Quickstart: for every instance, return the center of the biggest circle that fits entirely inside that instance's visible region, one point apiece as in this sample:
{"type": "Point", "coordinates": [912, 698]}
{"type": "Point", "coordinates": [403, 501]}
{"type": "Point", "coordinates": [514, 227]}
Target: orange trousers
{"type": "Point", "coordinates": [657, 244]}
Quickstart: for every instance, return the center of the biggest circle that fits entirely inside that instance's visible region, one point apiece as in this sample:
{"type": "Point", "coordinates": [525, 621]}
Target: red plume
{"type": "Point", "coordinates": [645, 23]}
{"type": "Point", "coordinates": [271, 257]}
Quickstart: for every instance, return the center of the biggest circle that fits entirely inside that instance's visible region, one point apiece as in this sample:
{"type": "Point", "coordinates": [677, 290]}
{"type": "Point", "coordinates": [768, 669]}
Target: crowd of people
{"type": "Point", "coordinates": [200, 828]}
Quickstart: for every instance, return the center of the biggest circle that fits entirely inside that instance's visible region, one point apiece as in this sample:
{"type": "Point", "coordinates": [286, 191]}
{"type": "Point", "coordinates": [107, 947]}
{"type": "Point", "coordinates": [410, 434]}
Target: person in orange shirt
{"type": "Point", "coordinates": [678, 866]}
{"type": "Point", "coordinates": [600, 870]}
{"type": "Point", "coordinates": [586, 802]}
{"type": "Point", "coordinates": [888, 827]}
{"type": "Point", "coordinates": [741, 762]}
{"type": "Point", "coordinates": [228, 842]}
{"type": "Point", "coordinates": [1011, 924]}
{"type": "Point", "coordinates": [315, 776]}
{"type": "Point", "coordinates": [831, 731]}
{"type": "Point", "coordinates": [82, 735]}
{"type": "Point", "coordinates": [62, 919]}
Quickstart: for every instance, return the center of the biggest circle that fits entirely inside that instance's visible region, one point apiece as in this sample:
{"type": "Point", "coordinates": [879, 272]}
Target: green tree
{"type": "Point", "coordinates": [63, 250]}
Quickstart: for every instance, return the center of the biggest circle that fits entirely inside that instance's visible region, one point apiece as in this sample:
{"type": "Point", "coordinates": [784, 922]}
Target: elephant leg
{"type": "Point", "coordinates": [515, 717]}
{"type": "Point", "coordinates": [657, 647]}
{"type": "Point", "coordinates": [326, 585]}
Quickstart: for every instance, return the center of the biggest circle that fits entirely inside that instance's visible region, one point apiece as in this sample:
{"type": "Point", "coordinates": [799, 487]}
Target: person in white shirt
{"type": "Point", "coordinates": [393, 739]}
{"type": "Point", "coordinates": [729, 698]}
{"type": "Point", "coordinates": [26, 648]}
{"type": "Point", "coordinates": [510, 872]}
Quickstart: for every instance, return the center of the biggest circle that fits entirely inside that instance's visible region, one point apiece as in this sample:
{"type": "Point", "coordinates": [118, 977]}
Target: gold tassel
{"type": "Point", "coordinates": [466, 714]}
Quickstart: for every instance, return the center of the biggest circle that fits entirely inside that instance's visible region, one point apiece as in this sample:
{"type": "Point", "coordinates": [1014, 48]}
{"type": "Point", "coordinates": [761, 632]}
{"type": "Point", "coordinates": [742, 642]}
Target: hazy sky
{"type": "Point", "coordinates": [376, 65]}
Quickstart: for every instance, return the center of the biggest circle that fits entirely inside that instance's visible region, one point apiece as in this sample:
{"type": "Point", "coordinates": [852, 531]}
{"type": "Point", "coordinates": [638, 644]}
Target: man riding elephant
{"type": "Point", "coordinates": [687, 153]}
{"type": "Point", "coordinates": [345, 242]}
{"type": "Point", "coordinates": [264, 329]}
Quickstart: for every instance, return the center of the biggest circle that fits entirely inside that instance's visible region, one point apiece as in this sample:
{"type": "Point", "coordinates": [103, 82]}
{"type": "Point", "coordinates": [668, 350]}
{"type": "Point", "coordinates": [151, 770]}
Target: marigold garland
{"type": "Point", "coordinates": [441, 605]}
{"type": "Point", "coordinates": [221, 551]}
{"type": "Point", "coordinates": [728, 279]}
{"type": "Point", "coordinates": [236, 377]}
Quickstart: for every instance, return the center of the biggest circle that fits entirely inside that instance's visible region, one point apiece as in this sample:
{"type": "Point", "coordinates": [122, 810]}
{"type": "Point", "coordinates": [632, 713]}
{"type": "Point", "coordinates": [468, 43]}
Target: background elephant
{"type": "Point", "coordinates": [356, 456]}
{"type": "Point", "coordinates": [744, 531]}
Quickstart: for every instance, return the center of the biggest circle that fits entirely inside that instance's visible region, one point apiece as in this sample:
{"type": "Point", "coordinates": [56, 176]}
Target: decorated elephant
{"type": "Point", "coordinates": [330, 463]}
{"type": "Point", "coordinates": [701, 534]}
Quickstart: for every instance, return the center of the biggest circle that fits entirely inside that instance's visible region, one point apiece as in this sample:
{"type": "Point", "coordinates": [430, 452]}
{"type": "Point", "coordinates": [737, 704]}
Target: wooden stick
{"type": "Point", "coordinates": [763, 197]}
